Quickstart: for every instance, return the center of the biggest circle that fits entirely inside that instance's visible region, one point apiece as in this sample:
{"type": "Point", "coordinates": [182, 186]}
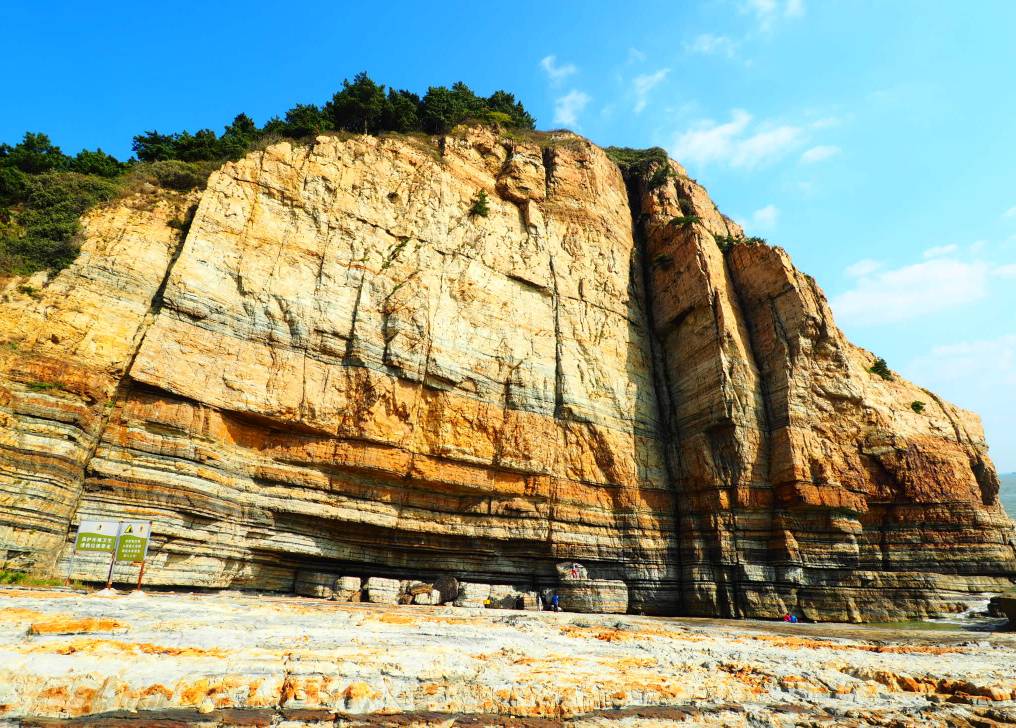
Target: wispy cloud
{"type": "Point", "coordinates": [863, 268]}
{"type": "Point", "coordinates": [903, 294]}
{"type": "Point", "coordinates": [635, 55]}
{"type": "Point", "coordinates": [979, 374]}
{"type": "Point", "coordinates": [767, 12]}
{"type": "Point", "coordinates": [765, 218]}
{"type": "Point", "coordinates": [568, 107]}
{"type": "Point", "coordinates": [557, 74]}
{"type": "Point", "coordinates": [736, 143]}
{"type": "Point", "coordinates": [645, 83]}
{"type": "Point", "coordinates": [819, 153]}
{"type": "Point", "coordinates": [1011, 212]}
{"type": "Point", "coordinates": [939, 250]}
{"type": "Point", "coordinates": [708, 44]}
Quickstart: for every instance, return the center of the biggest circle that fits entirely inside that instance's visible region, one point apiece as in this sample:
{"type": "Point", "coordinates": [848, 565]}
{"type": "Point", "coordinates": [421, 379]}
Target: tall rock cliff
{"type": "Point", "coordinates": [339, 367]}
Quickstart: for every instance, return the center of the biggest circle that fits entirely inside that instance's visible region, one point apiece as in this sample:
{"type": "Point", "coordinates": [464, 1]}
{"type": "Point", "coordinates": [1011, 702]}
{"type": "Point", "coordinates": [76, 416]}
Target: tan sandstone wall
{"type": "Point", "coordinates": [342, 369]}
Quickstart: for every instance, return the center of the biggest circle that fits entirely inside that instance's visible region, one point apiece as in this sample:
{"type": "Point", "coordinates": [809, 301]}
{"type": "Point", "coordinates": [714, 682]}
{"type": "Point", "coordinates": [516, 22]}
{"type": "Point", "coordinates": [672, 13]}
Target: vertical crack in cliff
{"type": "Point", "coordinates": [548, 169]}
{"type": "Point", "coordinates": [123, 386]}
{"type": "Point", "coordinates": [738, 300]}
{"type": "Point", "coordinates": [659, 374]}
{"type": "Point", "coordinates": [558, 345]}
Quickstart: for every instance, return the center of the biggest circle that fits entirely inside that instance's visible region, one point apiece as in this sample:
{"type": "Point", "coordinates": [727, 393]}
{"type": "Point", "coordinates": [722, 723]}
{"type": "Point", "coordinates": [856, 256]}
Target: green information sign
{"type": "Point", "coordinates": [96, 537]}
{"type": "Point", "coordinates": [128, 540]}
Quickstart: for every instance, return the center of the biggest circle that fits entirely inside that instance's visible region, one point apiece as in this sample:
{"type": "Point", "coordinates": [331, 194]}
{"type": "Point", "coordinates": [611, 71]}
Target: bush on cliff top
{"type": "Point", "coordinates": [881, 368]}
{"type": "Point", "coordinates": [43, 192]}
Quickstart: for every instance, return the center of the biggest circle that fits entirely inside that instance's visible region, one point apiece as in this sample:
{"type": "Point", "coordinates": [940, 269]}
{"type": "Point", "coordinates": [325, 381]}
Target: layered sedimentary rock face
{"type": "Point", "coordinates": [342, 367]}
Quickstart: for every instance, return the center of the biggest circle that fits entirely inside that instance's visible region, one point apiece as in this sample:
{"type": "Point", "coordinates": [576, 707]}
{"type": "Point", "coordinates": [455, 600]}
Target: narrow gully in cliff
{"type": "Point", "coordinates": [125, 383]}
{"type": "Point", "coordinates": [663, 396]}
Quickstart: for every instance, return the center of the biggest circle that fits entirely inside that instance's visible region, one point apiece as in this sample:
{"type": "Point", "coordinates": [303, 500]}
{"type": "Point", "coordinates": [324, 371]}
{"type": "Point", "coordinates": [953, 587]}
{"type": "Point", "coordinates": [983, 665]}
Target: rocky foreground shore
{"type": "Point", "coordinates": [166, 659]}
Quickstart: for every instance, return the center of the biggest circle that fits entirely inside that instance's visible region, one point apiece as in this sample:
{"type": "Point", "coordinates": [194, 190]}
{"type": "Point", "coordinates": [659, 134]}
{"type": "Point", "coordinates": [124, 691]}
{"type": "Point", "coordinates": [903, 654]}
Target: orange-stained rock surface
{"type": "Point", "coordinates": [187, 660]}
{"type": "Point", "coordinates": [339, 370]}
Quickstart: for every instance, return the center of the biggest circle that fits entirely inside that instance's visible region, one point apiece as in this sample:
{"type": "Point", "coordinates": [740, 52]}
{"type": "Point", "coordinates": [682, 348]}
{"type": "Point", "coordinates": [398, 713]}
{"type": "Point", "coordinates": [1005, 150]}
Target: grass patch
{"type": "Point", "coordinates": [23, 578]}
{"type": "Point", "coordinates": [43, 386]}
{"type": "Point", "coordinates": [637, 160]}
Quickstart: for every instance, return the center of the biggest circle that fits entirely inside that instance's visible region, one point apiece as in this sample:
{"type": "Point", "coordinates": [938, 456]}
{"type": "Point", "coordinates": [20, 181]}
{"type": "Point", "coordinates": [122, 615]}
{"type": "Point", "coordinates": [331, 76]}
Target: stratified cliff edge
{"type": "Point", "coordinates": [338, 367]}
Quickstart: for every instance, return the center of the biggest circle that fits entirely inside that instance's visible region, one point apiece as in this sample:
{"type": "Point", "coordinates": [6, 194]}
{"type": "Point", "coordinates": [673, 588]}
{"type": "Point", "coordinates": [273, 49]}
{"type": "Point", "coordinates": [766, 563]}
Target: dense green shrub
{"type": "Point", "coordinates": [881, 369]}
{"type": "Point", "coordinates": [480, 205]}
{"type": "Point", "coordinates": [917, 406]}
{"type": "Point", "coordinates": [176, 175]}
{"type": "Point", "coordinates": [45, 220]}
{"type": "Point", "coordinates": [726, 242]}
{"type": "Point", "coordinates": [98, 163]}
{"type": "Point", "coordinates": [637, 160]}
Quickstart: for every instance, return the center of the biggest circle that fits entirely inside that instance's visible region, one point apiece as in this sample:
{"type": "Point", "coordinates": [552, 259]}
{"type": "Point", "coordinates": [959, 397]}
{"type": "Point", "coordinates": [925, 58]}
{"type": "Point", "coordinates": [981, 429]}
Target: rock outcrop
{"type": "Point", "coordinates": [339, 370]}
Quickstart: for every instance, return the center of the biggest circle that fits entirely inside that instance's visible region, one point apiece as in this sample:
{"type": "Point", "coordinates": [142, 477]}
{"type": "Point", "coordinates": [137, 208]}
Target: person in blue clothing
{"type": "Point", "coordinates": [793, 618]}
{"type": "Point", "coordinates": [555, 603]}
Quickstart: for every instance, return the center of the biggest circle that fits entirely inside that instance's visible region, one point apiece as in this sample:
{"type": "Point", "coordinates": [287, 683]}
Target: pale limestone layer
{"type": "Point", "coordinates": [342, 371]}
{"type": "Point", "coordinates": [316, 663]}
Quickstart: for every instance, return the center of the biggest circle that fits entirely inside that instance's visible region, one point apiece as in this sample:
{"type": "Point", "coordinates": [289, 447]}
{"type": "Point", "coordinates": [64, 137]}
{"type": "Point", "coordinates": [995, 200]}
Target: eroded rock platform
{"type": "Point", "coordinates": [68, 658]}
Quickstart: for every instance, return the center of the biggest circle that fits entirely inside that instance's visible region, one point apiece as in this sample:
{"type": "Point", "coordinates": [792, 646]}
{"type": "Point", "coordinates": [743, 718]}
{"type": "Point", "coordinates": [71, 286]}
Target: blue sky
{"type": "Point", "coordinates": [873, 140]}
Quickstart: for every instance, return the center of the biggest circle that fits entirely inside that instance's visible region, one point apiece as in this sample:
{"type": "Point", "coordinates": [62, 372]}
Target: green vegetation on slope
{"type": "Point", "coordinates": [44, 192]}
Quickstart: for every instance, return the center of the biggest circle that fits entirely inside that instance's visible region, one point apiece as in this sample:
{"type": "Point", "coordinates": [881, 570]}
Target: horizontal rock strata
{"type": "Point", "coordinates": [340, 370]}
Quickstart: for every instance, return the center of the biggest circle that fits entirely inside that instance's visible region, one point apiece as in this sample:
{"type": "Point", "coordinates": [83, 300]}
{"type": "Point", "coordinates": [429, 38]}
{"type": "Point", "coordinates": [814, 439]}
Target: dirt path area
{"type": "Point", "coordinates": [230, 659]}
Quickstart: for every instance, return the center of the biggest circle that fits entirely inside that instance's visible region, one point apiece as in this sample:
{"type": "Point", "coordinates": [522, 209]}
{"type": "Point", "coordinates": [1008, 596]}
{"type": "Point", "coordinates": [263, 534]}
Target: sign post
{"type": "Point", "coordinates": [122, 540]}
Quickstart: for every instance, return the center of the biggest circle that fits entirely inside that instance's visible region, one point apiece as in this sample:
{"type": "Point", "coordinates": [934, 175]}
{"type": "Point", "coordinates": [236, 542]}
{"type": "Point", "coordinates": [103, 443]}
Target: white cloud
{"type": "Point", "coordinates": [903, 294]}
{"type": "Point", "coordinates": [819, 153]}
{"type": "Point", "coordinates": [568, 107]}
{"type": "Point", "coordinates": [644, 84]}
{"type": "Point", "coordinates": [767, 12]}
{"type": "Point", "coordinates": [1006, 271]}
{"type": "Point", "coordinates": [708, 44]}
{"type": "Point", "coordinates": [735, 143]}
{"type": "Point", "coordinates": [863, 268]}
{"type": "Point", "coordinates": [957, 361]}
{"type": "Point", "coordinates": [635, 55]}
{"type": "Point", "coordinates": [979, 375]}
{"type": "Point", "coordinates": [939, 250]}
{"type": "Point", "coordinates": [556, 73]}
{"type": "Point", "coordinates": [1011, 212]}
{"type": "Point", "coordinates": [765, 217]}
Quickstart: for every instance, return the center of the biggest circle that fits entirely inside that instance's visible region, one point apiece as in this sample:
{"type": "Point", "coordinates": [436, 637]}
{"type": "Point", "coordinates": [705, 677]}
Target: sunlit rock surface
{"type": "Point", "coordinates": [196, 660]}
{"type": "Point", "coordinates": [339, 370]}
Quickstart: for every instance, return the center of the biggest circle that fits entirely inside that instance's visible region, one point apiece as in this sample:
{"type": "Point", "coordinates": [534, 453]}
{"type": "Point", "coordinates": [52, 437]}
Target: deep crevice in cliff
{"type": "Point", "coordinates": [125, 383]}
{"type": "Point", "coordinates": [662, 388]}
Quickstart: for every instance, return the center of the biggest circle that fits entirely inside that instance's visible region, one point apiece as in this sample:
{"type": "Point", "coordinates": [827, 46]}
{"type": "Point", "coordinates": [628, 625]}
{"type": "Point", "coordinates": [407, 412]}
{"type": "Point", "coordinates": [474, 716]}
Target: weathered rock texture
{"type": "Point", "coordinates": [178, 660]}
{"type": "Point", "coordinates": [340, 370]}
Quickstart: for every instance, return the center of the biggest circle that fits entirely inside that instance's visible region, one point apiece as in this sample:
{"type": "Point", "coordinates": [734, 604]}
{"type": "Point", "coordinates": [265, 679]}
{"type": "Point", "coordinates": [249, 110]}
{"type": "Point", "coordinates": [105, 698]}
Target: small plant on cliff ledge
{"type": "Point", "coordinates": [881, 369]}
{"type": "Point", "coordinates": [480, 206]}
{"type": "Point", "coordinates": [660, 176]}
{"type": "Point", "coordinates": [917, 406]}
{"type": "Point", "coordinates": [681, 221]}
{"type": "Point", "coordinates": [726, 242]}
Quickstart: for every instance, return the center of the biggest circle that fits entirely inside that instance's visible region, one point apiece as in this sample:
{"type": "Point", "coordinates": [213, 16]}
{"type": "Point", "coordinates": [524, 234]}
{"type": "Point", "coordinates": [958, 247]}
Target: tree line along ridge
{"type": "Point", "coordinates": [44, 192]}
